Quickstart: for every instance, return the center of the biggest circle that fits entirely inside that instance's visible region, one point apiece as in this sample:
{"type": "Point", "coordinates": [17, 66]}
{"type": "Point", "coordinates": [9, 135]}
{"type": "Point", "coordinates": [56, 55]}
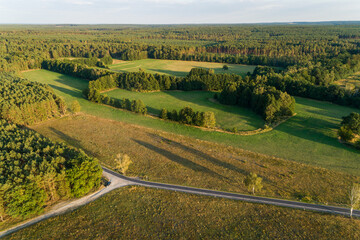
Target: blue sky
{"type": "Point", "coordinates": [176, 11]}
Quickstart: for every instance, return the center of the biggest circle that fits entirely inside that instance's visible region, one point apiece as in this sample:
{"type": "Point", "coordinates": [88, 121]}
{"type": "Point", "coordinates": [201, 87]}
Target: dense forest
{"type": "Point", "coordinates": [25, 102]}
{"type": "Point", "coordinates": [312, 57]}
{"type": "Point", "coordinates": [35, 171]}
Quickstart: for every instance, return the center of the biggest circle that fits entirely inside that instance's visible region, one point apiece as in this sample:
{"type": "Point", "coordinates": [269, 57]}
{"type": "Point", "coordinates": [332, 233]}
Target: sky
{"type": "Point", "coordinates": [175, 11]}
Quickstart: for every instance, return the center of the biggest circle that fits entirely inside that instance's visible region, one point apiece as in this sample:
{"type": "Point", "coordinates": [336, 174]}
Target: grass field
{"type": "Point", "coordinates": [141, 213]}
{"type": "Point", "coordinates": [352, 82]}
{"type": "Point", "coordinates": [170, 158]}
{"type": "Point", "coordinates": [309, 137]}
{"type": "Point", "coordinates": [226, 116]}
{"type": "Point", "coordinates": [177, 68]}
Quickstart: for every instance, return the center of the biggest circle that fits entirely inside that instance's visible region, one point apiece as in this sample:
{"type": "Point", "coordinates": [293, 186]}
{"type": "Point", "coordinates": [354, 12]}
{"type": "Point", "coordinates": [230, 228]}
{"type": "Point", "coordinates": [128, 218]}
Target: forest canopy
{"type": "Point", "coordinates": [35, 171]}
{"type": "Point", "coordinates": [26, 102]}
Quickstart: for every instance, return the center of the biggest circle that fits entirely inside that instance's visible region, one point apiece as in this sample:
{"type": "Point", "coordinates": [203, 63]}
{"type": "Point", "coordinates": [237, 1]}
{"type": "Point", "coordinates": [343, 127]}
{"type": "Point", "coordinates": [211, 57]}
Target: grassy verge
{"type": "Point", "coordinates": [226, 116]}
{"type": "Point", "coordinates": [141, 213]}
{"type": "Point", "coordinates": [309, 137]}
{"type": "Point", "coordinates": [177, 68]}
{"type": "Point", "coordinates": [170, 158]}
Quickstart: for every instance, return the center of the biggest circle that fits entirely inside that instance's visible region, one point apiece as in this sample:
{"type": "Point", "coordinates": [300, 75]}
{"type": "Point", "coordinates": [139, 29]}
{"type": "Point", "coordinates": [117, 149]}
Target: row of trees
{"type": "Point", "coordinates": [272, 104]}
{"type": "Point", "coordinates": [34, 171]}
{"type": "Point", "coordinates": [188, 116]}
{"type": "Point", "coordinates": [267, 101]}
{"type": "Point", "coordinates": [136, 106]}
{"type": "Point", "coordinates": [25, 102]}
{"type": "Point", "coordinates": [94, 61]}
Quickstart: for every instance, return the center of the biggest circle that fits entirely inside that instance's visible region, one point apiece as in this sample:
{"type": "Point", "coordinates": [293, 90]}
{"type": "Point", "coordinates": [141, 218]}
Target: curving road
{"type": "Point", "coordinates": [117, 180]}
{"type": "Point", "coordinates": [241, 197]}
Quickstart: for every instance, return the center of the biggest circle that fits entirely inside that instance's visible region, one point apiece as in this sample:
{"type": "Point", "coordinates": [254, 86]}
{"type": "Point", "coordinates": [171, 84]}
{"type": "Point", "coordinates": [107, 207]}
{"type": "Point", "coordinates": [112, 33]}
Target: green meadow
{"type": "Point", "coordinates": [226, 116]}
{"type": "Point", "coordinates": [309, 137]}
{"type": "Point", "coordinates": [177, 68]}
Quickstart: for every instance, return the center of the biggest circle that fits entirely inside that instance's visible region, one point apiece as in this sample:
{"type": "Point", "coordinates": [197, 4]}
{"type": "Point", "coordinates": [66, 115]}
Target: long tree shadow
{"type": "Point", "coordinates": [244, 113]}
{"type": "Point", "coordinates": [201, 155]}
{"type": "Point", "coordinates": [178, 159]}
{"type": "Point", "coordinates": [73, 82]}
{"type": "Point", "coordinates": [67, 91]}
{"type": "Point", "coordinates": [72, 141]}
{"type": "Point", "coordinates": [170, 72]}
{"type": "Point", "coordinates": [312, 129]}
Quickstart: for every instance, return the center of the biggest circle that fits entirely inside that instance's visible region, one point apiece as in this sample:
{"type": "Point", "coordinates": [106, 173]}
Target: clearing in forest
{"type": "Point", "coordinates": [177, 68]}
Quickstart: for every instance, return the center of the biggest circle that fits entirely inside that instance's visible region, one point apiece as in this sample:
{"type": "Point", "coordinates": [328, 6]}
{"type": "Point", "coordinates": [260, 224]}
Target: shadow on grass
{"type": "Point", "coordinates": [170, 72]}
{"type": "Point", "coordinates": [312, 129]}
{"type": "Point", "coordinates": [243, 113]}
{"type": "Point", "coordinates": [71, 141]}
{"type": "Point", "coordinates": [201, 155]}
{"type": "Point", "coordinates": [178, 159]}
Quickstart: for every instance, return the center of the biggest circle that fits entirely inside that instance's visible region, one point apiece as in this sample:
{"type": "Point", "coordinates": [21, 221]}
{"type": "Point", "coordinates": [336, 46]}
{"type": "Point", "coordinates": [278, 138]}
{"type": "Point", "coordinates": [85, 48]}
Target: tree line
{"type": "Point", "coordinates": [36, 171]}
{"type": "Point", "coordinates": [188, 116]}
{"type": "Point", "coordinates": [26, 102]}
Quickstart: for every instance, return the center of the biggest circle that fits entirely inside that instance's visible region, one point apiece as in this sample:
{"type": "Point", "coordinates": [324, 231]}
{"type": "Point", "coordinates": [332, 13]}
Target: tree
{"type": "Point", "coordinates": [122, 162]}
{"type": "Point", "coordinates": [164, 113]}
{"type": "Point", "coordinates": [345, 133]}
{"type": "Point", "coordinates": [354, 197]}
{"type": "Point", "coordinates": [253, 182]}
{"type": "Point", "coordinates": [208, 119]}
{"type": "Point", "coordinates": [75, 106]}
{"type": "Point", "coordinates": [225, 67]}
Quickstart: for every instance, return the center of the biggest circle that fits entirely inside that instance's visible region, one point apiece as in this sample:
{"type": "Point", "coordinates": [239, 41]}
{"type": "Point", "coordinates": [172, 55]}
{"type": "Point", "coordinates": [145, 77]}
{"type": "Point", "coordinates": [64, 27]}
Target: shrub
{"type": "Point", "coordinates": [163, 114]}
{"type": "Point", "coordinates": [345, 133]}
{"type": "Point", "coordinates": [75, 106]}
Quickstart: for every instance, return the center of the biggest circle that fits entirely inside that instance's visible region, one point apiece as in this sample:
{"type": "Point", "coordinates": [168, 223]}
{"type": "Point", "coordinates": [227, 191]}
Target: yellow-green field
{"type": "Point", "coordinates": [309, 137]}
{"type": "Point", "coordinates": [170, 158]}
{"type": "Point", "coordinates": [142, 213]}
{"type": "Point", "coordinates": [177, 68]}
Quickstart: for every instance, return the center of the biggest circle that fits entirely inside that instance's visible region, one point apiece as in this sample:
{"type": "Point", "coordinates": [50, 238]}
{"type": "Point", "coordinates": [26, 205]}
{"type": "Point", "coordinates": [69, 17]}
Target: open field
{"type": "Point", "coordinates": [170, 158]}
{"type": "Point", "coordinates": [176, 68]}
{"type": "Point", "coordinates": [226, 116]}
{"type": "Point", "coordinates": [352, 82]}
{"type": "Point", "coordinates": [309, 137]}
{"type": "Point", "coordinates": [142, 213]}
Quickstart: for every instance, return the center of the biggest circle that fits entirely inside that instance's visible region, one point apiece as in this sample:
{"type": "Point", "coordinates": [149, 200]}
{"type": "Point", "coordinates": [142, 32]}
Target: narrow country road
{"type": "Point", "coordinates": [117, 180]}
{"type": "Point", "coordinates": [242, 197]}
{"type": "Point", "coordinates": [62, 208]}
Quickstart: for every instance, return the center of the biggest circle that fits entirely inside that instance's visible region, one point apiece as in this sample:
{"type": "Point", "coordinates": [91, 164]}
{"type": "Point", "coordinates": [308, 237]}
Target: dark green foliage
{"type": "Point", "coordinates": [35, 170]}
{"type": "Point", "coordinates": [346, 133]}
{"type": "Point", "coordinates": [26, 102]}
{"type": "Point", "coordinates": [163, 114]}
{"type": "Point", "coordinates": [188, 116]}
{"type": "Point", "coordinates": [74, 69]}
{"type": "Point", "coordinates": [272, 104]}
{"type": "Point", "coordinates": [107, 60]}
{"type": "Point", "coordinates": [352, 122]}
{"type": "Point", "coordinates": [350, 126]}
{"type": "Point", "coordinates": [225, 67]}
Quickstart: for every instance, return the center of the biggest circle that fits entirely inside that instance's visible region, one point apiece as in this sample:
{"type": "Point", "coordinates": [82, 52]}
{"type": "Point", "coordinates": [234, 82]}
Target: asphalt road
{"type": "Point", "coordinates": [117, 180]}
{"type": "Point", "coordinates": [241, 197]}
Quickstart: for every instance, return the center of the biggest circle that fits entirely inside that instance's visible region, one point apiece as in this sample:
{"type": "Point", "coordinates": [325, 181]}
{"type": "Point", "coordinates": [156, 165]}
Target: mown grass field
{"type": "Point", "coordinates": [309, 137]}
{"type": "Point", "coordinates": [170, 158]}
{"type": "Point", "coordinates": [226, 116]}
{"type": "Point", "coordinates": [177, 68]}
{"type": "Point", "coordinates": [142, 213]}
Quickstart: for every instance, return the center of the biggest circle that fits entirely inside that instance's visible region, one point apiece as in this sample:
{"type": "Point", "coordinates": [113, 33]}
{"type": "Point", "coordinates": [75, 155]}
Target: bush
{"type": "Point", "coordinates": [346, 134]}
{"type": "Point", "coordinates": [75, 106]}
{"type": "Point", "coordinates": [163, 114]}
